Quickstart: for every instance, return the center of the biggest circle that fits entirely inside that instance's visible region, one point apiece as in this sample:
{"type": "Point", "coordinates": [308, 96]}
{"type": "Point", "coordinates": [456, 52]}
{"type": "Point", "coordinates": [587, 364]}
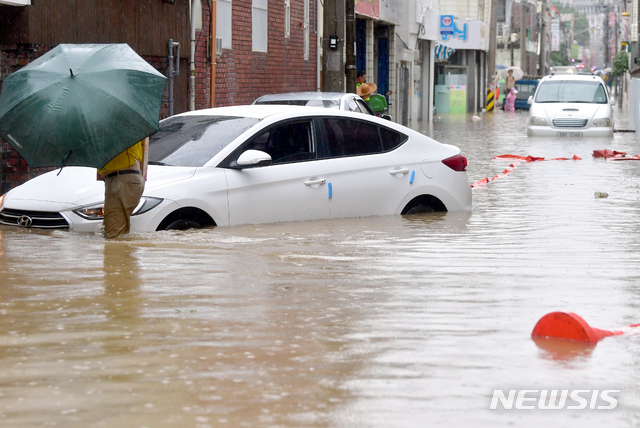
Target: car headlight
{"type": "Point", "coordinates": [539, 121]}
{"type": "Point", "coordinates": [96, 211]}
{"type": "Point", "coordinates": [603, 121]}
{"type": "Point", "coordinates": [146, 203]}
{"type": "Point", "coordinates": [91, 212]}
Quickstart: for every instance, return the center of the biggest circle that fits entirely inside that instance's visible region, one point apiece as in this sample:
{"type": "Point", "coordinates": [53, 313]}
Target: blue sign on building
{"type": "Point", "coordinates": [447, 26]}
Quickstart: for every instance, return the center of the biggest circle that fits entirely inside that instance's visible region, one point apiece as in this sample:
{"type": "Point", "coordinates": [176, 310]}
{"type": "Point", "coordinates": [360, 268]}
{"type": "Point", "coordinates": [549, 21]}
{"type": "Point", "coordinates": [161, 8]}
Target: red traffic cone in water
{"type": "Point", "coordinates": [569, 326]}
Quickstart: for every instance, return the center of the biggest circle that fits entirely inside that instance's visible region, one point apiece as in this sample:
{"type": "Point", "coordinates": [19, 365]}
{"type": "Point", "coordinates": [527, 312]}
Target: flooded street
{"type": "Point", "coordinates": [371, 322]}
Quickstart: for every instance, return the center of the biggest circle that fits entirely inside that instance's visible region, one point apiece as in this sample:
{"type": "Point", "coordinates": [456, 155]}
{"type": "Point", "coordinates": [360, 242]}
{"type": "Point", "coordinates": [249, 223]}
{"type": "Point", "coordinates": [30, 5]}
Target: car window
{"type": "Point", "coordinates": [524, 87]}
{"type": "Point", "coordinates": [566, 91]}
{"type": "Point", "coordinates": [309, 103]}
{"type": "Point", "coordinates": [353, 106]}
{"type": "Point", "coordinates": [349, 137]}
{"type": "Point", "coordinates": [324, 103]}
{"type": "Point", "coordinates": [364, 107]}
{"type": "Point", "coordinates": [286, 142]}
{"type": "Point", "coordinates": [194, 140]}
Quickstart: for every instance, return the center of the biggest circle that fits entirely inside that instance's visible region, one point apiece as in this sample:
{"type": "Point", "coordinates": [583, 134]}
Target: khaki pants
{"type": "Point", "coordinates": [121, 196]}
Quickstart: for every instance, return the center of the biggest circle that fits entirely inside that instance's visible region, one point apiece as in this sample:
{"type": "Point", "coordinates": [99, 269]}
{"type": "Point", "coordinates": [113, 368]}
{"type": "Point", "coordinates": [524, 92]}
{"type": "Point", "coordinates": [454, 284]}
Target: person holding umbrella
{"type": "Point", "coordinates": [511, 75]}
{"type": "Point", "coordinates": [123, 187]}
{"type": "Point", "coordinates": [510, 82]}
{"type": "Point", "coordinates": [89, 105]}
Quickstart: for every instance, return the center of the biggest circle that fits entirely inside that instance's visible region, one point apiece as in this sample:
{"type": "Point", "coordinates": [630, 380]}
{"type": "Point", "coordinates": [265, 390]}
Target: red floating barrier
{"type": "Point", "coordinates": [622, 158]}
{"type": "Point", "coordinates": [485, 181]}
{"type": "Point", "coordinates": [606, 153]}
{"type": "Point", "coordinates": [480, 183]}
{"type": "Point", "coordinates": [569, 326]}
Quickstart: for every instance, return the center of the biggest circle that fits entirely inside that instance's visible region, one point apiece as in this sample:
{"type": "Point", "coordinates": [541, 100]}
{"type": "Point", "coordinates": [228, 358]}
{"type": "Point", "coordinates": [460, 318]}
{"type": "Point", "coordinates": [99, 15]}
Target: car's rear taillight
{"type": "Point", "coordinates": [456, 163]}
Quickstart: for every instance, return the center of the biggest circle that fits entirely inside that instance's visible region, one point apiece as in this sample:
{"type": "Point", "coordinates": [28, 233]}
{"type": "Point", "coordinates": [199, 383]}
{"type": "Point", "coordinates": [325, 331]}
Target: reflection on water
{"type": "Point", "coordinates": [563, 350]}
{"type": "Point", "coordinates": [376, 322]}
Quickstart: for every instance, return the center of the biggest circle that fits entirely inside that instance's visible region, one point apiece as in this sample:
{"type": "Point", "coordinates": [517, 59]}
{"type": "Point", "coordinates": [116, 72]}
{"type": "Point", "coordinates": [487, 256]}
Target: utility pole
{"type": "Point", "coordinates": [511, 33]}
{"type": "Point", "coordinates": [542, 60]}
{"type": "Point", "coordinates": [333, 78]}
{"type": "Point", "coordinates": [523, 40]}
{"type": "Point", "coordinates": [350, 40]}
{"type": "Point", "coordinates": [605, 26]}
{"type": "Point", "coordinates": [491, 57]}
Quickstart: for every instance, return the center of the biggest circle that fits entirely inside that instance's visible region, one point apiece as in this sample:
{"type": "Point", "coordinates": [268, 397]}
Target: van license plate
{"type": "Point", "coordinates": [569, 134]}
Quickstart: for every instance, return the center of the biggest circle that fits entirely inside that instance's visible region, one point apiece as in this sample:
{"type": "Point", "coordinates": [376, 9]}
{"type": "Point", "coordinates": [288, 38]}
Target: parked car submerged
{"type": "Point", "coordinates": [570, 106]}
{"type": "Point", "coordinates": [260, 164]}
{"type": "Point", "coordinates": [525, 88]}
{"type": "Point", "coordinates": [376, 106]}
{"type": "Point", "coordinates": [335, 100]}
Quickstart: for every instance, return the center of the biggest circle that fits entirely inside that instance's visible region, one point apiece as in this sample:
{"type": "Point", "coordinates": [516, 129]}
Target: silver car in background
{"type": "Point", "coordinates": [570, 105]}
{"type": "Point", "coordinates": [335, 100]}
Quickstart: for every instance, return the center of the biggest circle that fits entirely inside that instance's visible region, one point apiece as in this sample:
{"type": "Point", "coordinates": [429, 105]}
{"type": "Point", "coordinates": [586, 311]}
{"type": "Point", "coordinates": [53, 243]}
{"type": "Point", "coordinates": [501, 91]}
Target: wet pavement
{"type": "Point", "coordinates": [373, 322]}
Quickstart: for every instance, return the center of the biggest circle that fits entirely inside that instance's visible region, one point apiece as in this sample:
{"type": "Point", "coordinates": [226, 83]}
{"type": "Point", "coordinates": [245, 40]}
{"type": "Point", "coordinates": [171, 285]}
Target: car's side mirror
{"type": "Point", "coordinates": [252, 158]}
{"type": "Point", "coordinates": [530, 100]}
{"type": "Point", "coordinates": [386, 116]}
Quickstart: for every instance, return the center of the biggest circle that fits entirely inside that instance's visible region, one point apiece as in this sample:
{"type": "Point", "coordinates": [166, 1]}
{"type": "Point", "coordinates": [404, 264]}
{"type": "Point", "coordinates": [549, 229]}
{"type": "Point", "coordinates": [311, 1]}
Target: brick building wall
{"type": "Point", "coordinates": [13, 168]}
{"type": "Point", "coordinates": [244, 75]}
{"type": "Point", "coordinates": [241, 74]}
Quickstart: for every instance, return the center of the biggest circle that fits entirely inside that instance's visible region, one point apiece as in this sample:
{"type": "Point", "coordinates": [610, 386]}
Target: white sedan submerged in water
{"type": "Point", "coordinates": [260, 164]}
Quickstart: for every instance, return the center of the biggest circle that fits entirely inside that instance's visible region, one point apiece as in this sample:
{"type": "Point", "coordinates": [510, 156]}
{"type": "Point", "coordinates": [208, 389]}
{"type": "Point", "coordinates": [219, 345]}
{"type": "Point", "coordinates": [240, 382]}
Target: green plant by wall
{"type": "Point", "coordinates": [620, 64]}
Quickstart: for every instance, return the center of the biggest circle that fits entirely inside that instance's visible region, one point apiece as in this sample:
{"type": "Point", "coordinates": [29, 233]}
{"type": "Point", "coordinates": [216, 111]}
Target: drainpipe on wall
{"type": "Point", "coordinates": [319, 35]}
{"type": "Point", "coordinates": [192, 59]}
{"type": "Point", "coordinates": [213, 53]}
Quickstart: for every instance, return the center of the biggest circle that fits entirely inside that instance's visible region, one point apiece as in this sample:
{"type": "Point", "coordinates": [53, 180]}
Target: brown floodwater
{"type": "Point", "coordinates": [370, 322]}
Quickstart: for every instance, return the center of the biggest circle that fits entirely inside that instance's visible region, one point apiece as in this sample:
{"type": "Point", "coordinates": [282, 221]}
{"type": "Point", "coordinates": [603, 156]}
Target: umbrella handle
{"type": "Point", "coordinates": [64, 159]}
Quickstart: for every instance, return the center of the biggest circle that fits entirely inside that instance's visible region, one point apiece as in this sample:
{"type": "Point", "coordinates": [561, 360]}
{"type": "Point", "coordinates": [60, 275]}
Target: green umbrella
{"type": "Point", "coordinates": [80, 105]}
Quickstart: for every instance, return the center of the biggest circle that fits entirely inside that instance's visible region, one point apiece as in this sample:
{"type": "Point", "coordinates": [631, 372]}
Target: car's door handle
{"type": "Point", "coordinates": [399, 171]}
{"type": "Point", "coordinates": [315, 182]}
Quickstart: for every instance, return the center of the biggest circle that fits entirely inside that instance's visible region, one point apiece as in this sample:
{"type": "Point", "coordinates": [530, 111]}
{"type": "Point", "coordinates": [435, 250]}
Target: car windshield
{"type": "Point", "coordinates": [568, 91]}
{"type": "Point", "coordinates": [194, 140]}
{"type": "Point", "coordinates": [309, 103]}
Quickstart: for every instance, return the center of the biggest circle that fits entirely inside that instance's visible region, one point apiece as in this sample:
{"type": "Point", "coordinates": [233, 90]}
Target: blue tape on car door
{"type": "Point", "coordinates": [413, 174]}
{"type": "Point", "coordinates": [330, 187]}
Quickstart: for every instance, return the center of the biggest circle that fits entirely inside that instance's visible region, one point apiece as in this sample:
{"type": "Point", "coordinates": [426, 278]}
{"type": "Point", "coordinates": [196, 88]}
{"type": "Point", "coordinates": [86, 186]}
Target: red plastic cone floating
{"type": "Point", "coordinates": [569, 326]}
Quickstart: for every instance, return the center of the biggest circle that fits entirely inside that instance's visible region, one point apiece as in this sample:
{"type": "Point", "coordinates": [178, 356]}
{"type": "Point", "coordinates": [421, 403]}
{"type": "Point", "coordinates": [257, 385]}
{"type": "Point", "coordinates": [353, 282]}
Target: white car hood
{"type": "Point", "coordinates": [578, 110]}
{"type": "Point", "coordinates": [78, 186]}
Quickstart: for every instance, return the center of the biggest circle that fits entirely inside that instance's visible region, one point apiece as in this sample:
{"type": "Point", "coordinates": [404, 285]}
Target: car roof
{"type": "Point", "coordinates": [303, 96]}
{"type": "Point", "coordinates": [573, 77]}
{"type": "Point", "coordinates": [263, 111]}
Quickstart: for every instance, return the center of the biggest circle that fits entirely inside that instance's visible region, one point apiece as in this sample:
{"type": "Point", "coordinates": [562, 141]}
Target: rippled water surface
{"type": "Point", "coordinates": [374, 322]}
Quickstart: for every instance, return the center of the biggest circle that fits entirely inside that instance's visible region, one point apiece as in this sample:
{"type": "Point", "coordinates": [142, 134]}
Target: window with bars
{"type": "Point", "coordinates": [287, 19]}
{"type": "Point", "coordinates": [259, 21]}
{"type": "Point", "coordinates": [223, 22]}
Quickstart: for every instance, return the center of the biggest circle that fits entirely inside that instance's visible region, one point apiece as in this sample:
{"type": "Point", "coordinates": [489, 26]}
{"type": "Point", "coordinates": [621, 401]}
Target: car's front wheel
{"type": "Point", "coordinates": [183, 224]}
{"type": "Point", "coordinates": [186, 218]}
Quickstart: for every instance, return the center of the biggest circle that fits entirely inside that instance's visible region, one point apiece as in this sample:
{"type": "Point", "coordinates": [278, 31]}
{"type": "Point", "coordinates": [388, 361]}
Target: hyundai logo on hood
{"type": "Point", "coordinates": [25, 221]}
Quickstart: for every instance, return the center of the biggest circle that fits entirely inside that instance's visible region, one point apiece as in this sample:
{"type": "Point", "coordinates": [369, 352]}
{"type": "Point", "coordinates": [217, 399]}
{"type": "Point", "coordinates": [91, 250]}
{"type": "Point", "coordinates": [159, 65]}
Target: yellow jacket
{"type": "Point", "coordinates": [125, 159]}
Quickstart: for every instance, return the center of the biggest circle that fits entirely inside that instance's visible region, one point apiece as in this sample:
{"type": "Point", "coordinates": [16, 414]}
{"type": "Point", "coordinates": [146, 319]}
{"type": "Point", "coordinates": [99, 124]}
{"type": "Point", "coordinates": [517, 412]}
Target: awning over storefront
{"type": "Point", "coordinates": [441, 52]}
{"type": "Point", "coordinates": [16, 2]}
{"type": "Point", "coordinates": [381, 10]}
